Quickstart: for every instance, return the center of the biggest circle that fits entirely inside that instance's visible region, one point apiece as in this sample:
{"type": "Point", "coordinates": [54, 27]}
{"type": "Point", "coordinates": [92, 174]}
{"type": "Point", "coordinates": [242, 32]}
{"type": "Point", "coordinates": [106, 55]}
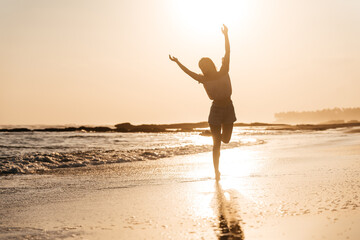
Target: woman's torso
{"type": "Point", "coordinates": [218, 87]}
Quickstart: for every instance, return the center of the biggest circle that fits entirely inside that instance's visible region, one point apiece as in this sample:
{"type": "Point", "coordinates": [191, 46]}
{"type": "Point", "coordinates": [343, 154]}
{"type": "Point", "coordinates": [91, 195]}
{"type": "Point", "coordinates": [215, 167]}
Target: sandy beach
{"type": "Point", "coordinates": [269, 191]}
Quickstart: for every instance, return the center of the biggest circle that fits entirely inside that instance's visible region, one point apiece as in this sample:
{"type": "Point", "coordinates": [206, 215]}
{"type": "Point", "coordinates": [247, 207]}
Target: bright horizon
{"type": "Point", "coordinates": [106, 62]}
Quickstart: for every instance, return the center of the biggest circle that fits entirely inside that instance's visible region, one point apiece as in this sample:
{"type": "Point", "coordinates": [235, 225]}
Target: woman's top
{"type": "Point", "coordinates": [219, 88]}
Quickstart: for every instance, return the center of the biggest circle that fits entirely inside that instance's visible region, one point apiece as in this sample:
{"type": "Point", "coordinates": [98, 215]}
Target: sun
{"type": "Point", "coordinates": [209, 15]}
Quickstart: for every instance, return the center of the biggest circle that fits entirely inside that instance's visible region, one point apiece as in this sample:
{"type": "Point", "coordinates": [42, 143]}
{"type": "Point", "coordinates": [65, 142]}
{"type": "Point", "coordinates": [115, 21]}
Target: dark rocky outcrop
{"type": "Point", "coordinates": [181, 127]}
{"type": "Point", "coordinates": [15, 130]}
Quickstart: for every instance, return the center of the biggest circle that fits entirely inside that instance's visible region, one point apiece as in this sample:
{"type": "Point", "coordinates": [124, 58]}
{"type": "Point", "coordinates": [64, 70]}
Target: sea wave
{"type": "Point", "coordinates": [39, 162]}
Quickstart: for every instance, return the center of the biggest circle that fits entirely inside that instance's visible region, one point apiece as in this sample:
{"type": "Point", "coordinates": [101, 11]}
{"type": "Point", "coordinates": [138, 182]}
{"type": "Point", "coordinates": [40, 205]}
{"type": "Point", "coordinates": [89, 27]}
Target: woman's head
{"type": "Point", "coordinates": [207, 66]}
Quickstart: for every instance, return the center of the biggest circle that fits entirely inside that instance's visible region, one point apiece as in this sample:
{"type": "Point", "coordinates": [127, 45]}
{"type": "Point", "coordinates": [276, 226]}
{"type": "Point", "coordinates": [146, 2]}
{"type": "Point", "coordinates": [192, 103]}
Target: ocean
{"type": "Point", "coordinates": [39, 152]}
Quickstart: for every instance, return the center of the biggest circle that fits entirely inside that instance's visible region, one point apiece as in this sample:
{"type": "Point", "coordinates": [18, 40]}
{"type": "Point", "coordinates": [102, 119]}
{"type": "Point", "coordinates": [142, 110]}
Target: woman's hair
{"type": "Point", "coordinates": [207, 65]}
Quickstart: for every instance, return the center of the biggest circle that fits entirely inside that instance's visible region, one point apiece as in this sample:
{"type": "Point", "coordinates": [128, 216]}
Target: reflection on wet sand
{"type": "Point", "coordinates": [227, 209]}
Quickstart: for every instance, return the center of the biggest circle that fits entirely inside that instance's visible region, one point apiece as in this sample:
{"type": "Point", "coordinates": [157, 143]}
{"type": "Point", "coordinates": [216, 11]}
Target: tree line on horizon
{"type": "Point", "coordinates": [334, 115]}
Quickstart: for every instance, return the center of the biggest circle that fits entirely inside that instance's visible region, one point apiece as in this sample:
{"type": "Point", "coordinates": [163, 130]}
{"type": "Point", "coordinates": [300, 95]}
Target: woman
{"type": "Point", "coordinates": [218, 87]}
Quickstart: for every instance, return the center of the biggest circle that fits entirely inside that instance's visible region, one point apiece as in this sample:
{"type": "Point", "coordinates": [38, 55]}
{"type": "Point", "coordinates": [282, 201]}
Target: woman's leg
{"type": "Point", "coordinates": [226, 132]}
{"type": "Point", "coordinates": [216, 135]}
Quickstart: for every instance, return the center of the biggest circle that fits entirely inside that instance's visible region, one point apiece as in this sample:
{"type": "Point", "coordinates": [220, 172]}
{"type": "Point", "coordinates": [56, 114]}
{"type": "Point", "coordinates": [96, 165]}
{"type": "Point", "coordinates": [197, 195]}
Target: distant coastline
{"type": "Point", "coordinates": [179, 127]}
{"type": "Point", "coordinates": [323, 116]}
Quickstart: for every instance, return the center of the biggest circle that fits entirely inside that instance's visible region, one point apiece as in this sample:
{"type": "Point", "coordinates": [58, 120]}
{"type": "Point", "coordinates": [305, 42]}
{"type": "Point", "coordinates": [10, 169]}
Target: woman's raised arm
{"type": "Point", "coordinates": [195, 76]}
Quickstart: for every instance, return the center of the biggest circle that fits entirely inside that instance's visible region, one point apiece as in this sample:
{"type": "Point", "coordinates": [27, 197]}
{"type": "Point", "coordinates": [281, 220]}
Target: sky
{"type": "Point", "coordinates": [106, 62]}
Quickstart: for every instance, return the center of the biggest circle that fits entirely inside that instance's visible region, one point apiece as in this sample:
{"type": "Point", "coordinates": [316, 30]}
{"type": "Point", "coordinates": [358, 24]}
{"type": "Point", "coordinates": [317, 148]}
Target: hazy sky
{"type": "Point", "coordinates": [105, 62]}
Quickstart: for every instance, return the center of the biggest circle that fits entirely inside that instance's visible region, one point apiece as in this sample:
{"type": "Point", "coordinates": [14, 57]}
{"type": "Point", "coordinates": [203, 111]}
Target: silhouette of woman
{"type": "Point", "coordinates": [218, 87]}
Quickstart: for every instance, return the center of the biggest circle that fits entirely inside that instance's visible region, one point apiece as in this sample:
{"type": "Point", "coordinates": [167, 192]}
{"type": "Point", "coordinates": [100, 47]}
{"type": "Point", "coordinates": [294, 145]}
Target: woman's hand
{"type": "Point", "coordinates": [224, 29]}
{"type": "Point", "coordinates": [174, 59]}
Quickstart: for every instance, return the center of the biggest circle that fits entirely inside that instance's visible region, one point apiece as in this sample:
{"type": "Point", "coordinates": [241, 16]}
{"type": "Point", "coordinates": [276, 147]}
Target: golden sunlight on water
{"type": "Point", "coordinates": [200, 140]}
{"type": "Point", "coordinates": [207, 140]}
{"type": "Point", "coordinates": [239, 162]}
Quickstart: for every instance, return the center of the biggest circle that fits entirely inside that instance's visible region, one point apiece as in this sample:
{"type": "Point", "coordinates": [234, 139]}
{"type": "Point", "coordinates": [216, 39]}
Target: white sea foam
{"type": "Point", "coordinates": [42, 152]}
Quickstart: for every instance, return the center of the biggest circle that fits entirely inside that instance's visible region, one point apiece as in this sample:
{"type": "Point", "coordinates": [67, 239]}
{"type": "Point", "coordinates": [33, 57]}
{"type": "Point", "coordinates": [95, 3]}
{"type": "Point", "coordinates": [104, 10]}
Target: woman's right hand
{"type": "Point", "coordinates": [174, 59]}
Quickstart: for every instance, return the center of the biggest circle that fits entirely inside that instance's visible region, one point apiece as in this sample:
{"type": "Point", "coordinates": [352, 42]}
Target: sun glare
{"type": "Point", "coordinates": [208, 15]}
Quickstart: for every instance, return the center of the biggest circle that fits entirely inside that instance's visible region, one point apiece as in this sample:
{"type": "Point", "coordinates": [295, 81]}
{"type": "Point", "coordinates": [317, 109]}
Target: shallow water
{"type": "Point", "coordinates": [39, 152]}
{"type": "Point", "coordinates": [32, 152]}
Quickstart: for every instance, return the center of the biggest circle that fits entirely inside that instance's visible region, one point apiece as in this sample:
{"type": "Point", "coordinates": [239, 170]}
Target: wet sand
{"type": "Point", "coordinates": [270, 191]}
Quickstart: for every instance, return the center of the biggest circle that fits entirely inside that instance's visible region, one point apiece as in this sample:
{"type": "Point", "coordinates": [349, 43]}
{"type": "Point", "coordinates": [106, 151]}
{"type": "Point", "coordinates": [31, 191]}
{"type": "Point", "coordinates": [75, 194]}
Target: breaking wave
{"type": "Point", "coordinates": [40, 162]}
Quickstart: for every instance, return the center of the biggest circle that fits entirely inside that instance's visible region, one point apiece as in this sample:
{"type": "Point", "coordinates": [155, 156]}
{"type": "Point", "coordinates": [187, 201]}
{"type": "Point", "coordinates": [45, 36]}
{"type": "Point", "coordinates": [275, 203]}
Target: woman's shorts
{"type": "Point", "coordinates": [222, 114]}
